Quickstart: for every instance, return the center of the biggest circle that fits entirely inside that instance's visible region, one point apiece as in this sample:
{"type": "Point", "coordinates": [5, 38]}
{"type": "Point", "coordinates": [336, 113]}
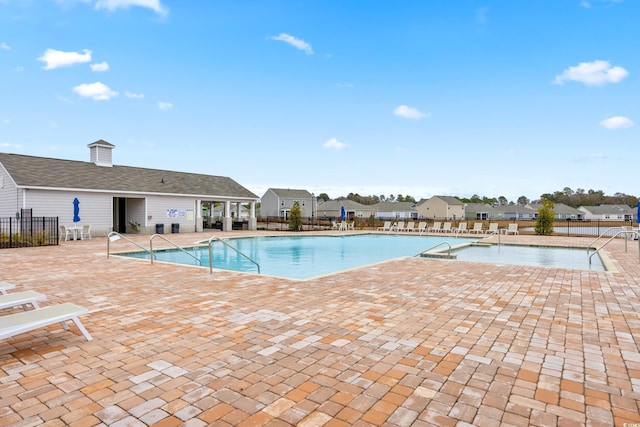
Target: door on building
{"type": "Point", "coordinates": [120, 214]}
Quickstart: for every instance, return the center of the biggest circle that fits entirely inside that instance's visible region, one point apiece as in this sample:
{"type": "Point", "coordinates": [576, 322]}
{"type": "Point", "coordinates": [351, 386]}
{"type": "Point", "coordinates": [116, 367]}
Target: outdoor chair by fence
{"type": "Point", "coordinates": [410, 227]}
{"type": "Point", "coordinates": [400, 226]}
{"type": "Point", "coordinates": [437, 226]}
{"type": "Point", "coordinates": [85, 232]}
{"type": "Point", "coordinates": [493, 228]}
{"type": "Point", "coordinates": [422, 227]}
{"type": "Point", "coordinates": [446, 227]}
{"type": "Point", "coordinates": [477, 228]}
{"type": "Point", "coordinates": [65, 231]}
{"type": "Point", "coordinates": [385, 227]}
{"type": "Point", "coordinates": [462, 228]}
{"type": "Point", "coordinates": [512, 229]}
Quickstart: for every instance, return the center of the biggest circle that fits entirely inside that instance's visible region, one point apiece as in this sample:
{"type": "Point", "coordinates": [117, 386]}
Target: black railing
{"type": "Point", "coordinates": [28, 231]}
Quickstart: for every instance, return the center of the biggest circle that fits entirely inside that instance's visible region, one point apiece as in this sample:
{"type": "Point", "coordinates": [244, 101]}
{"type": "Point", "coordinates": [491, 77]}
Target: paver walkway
{"type": "Point", "coordinates": [410, 342]}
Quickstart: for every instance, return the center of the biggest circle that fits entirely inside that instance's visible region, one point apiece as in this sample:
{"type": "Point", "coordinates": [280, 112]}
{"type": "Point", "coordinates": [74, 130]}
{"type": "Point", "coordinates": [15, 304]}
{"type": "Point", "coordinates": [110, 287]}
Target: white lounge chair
{"type": "Point", "coordinates": [477, 228]}
{"type": "Point", "coordinates": [5, 286]}
{"type": "Point", "coordinates": [493, 228]}
{"type": "Point", "coordinates": [437, 227]}
{"type": "Point", "coordinates": [422, 227]}
{"type": "Point", "coordinates": [462, 228]}
{"type": "Point", "coordinates": [24, 299]}
{"type": "Point", "coordinates": [335, 225]}
{"type": "Point", "coordinates": [400, 226]}
{"type": "Point", "coordinates": [86, 231]}
{"type": "Point", "coordinates": [446, 227]}
{"type": "Point", "coordinates": [410, 227]}
{"type": "Point", "coordinates": [25, 321]}
{"type": "Point", "coordinates": [512, 229]}
{"type": "Point", "coordinates": [64, 230]}
{"type": "Point", "coordinates": [385, 227]}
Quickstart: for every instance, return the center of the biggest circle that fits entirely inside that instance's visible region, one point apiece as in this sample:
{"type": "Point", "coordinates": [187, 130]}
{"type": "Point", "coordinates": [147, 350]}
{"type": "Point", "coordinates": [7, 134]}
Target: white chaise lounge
{"type": "Point", "coordinates": [5, 286]}
{"type": "Point", "coordinates": [25, 321]}
{"type": "Point", "coordinates": [24, 298]}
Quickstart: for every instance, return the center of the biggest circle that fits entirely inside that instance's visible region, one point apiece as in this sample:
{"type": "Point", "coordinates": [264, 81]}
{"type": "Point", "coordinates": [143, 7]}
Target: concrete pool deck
{"type": "Point", "coordinates": [409, 342]}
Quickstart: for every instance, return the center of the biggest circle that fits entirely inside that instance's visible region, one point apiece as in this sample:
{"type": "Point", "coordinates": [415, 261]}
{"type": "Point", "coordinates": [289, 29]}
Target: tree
{"type": "Point", "coordinates": [295, 217]}
{"type": "Point", "coordinates": [544, 222]}
{"type": "Point", "coordinates": [324, 197]}
{"type": "Point", "coordinates": [522, 201]}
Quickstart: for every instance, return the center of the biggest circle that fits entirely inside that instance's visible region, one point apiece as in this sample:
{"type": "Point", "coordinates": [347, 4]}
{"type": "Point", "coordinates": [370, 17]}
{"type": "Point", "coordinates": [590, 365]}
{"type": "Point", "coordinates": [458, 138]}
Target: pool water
{"type": "Point", "coordinates": [303, 257]}
{"type": "Point", "coordinates": [546, 256]}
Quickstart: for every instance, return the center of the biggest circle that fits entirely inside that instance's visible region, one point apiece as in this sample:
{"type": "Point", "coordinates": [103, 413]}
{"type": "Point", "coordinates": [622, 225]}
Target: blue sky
{"type": "Point", "coordinates": [421, 98]}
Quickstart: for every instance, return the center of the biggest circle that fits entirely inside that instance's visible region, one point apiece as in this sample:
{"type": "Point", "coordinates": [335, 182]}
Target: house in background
{"type": "Point", "coordinates": [116, 198]}
{"type": "Point", "coordinates": [441, 207]}
{"type": "Point", "coordinates": [609, 213]}
{"type": "Point", "coordinates": [395, 210]}
{"type": "Point", "coordinates": [480, 212]}
{"type": "Point", "coordinates": [353, 210]}
{"type": "Point", "coordinates": [277, 202]}
{"type": "Point", "coordinates": [560, 211]}
{"type": "Point", "coordinates": [514, 212]}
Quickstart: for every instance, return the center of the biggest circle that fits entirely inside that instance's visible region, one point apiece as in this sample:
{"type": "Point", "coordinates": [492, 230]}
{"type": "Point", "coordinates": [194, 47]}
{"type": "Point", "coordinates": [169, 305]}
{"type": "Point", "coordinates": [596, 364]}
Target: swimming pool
{"type": "Point", "coordinates": [303, 257]}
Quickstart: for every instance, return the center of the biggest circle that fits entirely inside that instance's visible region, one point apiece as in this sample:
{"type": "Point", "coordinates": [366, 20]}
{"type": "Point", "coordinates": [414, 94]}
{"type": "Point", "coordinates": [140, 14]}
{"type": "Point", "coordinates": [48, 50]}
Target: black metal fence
{"type": "Point", "coordinates": [27, 231]}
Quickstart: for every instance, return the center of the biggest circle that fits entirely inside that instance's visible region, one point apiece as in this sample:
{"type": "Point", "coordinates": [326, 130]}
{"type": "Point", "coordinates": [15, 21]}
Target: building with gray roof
{"type": "Point", "coordinates": [117, 198]}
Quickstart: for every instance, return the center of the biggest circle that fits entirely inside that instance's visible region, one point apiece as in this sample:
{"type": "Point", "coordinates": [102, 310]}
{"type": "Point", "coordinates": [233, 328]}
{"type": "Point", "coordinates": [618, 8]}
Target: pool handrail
{"type": "Point", "coordinates": [114, 235]}
{"type": "Point", "coordinates": [439, 244]}
{"type": "Point", "coordinates": [624, 231]}
{"type": "Point", "coordinates": [151, 256]}
{"type": "Point", "coordinates": [229, 246]}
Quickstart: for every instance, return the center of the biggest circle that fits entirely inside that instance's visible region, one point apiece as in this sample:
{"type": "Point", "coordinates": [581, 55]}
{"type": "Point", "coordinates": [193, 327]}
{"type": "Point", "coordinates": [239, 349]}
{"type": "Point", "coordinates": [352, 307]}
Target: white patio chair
{"type": "Point", "coordinates": [86, 231]}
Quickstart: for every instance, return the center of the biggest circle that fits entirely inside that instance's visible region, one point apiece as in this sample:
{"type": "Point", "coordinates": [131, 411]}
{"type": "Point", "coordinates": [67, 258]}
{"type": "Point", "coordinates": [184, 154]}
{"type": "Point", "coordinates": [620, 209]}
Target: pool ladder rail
{"type": "Point", "coordinates": [113, 236]}
{"type": "Point", "coordinates": [439, 254]}
{"type": "Point", "coordinates": [210, 245]}
{"type": "Point", "coordinates": [626, 231]}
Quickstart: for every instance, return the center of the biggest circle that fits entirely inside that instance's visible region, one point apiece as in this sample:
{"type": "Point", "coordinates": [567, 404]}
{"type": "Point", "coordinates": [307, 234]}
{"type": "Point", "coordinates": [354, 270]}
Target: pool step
{"type": "Point", "coordinates": [440, 255]}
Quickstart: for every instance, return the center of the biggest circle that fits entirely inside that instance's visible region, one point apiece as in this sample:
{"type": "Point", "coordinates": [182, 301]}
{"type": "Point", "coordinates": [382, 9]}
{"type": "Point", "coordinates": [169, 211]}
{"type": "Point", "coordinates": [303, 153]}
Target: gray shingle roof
{"type": "Point", "coordinates": [42, 172]}
{"type": "Point", "coordinates": [291, 193]}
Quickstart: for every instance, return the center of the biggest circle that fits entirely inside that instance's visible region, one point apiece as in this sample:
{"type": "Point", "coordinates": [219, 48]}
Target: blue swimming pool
{"type": "Point", "coordinates": [303, 257]}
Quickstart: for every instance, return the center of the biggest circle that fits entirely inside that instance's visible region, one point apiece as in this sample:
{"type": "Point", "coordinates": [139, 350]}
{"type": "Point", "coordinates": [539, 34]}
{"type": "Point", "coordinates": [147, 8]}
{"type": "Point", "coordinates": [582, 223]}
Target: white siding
{"type": "Point", "coordinates": [160, 209]}
{"type": "Point", "coordinates": [95, 209]}
{"type": "Point", "coordinates": [10, 199]}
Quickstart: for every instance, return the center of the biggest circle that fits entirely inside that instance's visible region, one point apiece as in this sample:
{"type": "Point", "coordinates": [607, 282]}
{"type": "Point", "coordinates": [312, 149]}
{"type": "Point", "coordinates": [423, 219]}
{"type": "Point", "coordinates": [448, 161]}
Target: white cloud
{"type": "Point", "coordinates": [57, 58]}
{"type": "Point", "coordinates": [617, 122]}
{"type": "Point", "coordinates": [9, 145]}
{"type": "Point", "coordinates": [482, 14]}
{"type": "Point", "coordinates": [134, 95]}
{"type": "Point", "coordinates": [99, 67]}
{"type": "Point", "coordinates": [594, 73]}
{"type": "Point", "coordinates": [5, 121]}
{"type": "Point", "coordinates": [97, 91]}
{"type": "Point", "coordinates": [112, 5]}
{"type": "Point", "coordinates": [165, 106]}
{"type": "Point", "coordinates": [334, 144]}
{"type": "Point", "coordinates": [4, 46]}
{"type": "Point", "coordinates": [297, 43]}
{"type": "Point", "coordinates": [589, 4]}
{"type": "Point", "coordinates": [408, 113]}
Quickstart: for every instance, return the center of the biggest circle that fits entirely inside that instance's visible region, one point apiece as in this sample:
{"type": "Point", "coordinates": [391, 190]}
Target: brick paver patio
{"type": "Point", "coordinates": [409, 342]}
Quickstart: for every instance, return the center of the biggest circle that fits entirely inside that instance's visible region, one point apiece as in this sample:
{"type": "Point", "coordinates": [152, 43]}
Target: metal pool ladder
{"type": "Point", "coordinates": [114, 235]}
{"type": "Point", "coordinates": [424, 253]}
{"type": "Point", "coordinates": [625, 230]}
{"type": "Point", "coordinates": [229, 246]}
{"type": "Point", "coordinates": [170, 242]}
